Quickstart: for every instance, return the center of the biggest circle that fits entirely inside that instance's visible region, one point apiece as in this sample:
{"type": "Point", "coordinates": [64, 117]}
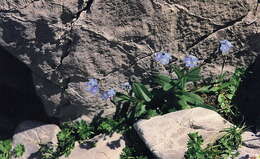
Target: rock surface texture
{"type": "Point", "coordinates": [107, 147]}
{"type": "Point", "coordinates": [66, 42]}
{"type": "Point", "coordinates": [167, 136]}
{"type": "Point", "coordinates": [251, 145]}
{"type": "Point", "coordinates": [31, 134]}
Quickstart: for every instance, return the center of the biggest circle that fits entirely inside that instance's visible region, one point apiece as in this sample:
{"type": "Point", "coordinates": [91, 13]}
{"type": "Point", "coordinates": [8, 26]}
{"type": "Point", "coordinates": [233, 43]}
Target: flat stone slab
{"type": "Point", "coordinates": [167, 136]}
{"type": "Point", "coordinates": [31, 134]}
{"type": "Point", "coordinates": [107, 147]}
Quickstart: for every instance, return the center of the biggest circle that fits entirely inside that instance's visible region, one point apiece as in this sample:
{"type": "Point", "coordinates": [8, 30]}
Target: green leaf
{"type": "Point", "coordinates": [182, 83]}
{"type": "Point", "coordinates": [221, 77]}
{"type": "Point", "coordinates": [5, 146]}
{"type": "Point", "coordinates": [140, 109]}
{"type": "Point", "coordinates": [195, 150]}
{"type": "Point", "coordinates": [167, 87]}
{"type": "Point", "coordinates": [19, 150]}
{"type": "Point", "coordinates": [178, 71]}
{"type": "Point", "coordinates": [204, 89]}
{"type": "Point", "coordinates": [141, 92]}
{"type": "Point", "coordinates": [183, 104]}
{"type": "Point", "coordinates": [188, 99]}
{"type": "Point", "coordinates": [108, 126]}
{"type": "Point", "coordinates": [192, 98]}
{"type": "Point", "coordinates": [224, 85]}
{"type": "Point", "coordinates": [214, 89]}
{"type": "Point", "coordinates": [83, 130]}
{"type": "Point", "coordinates": [221, 98]}
{"type": "Point", "coordinates": [159, 78]}
{"type": "Point", "coordinates": [151, 113]}
{"type": "Point", "coordinates": [120, 97]}
{"type": "Point", "coordinates": [131, 153]}
{"type": "Point", "coordinates": [164, 81]}
{"type": "Point", "coordinates": [229, 96]}
{"type": "Point", "coordinates": [207, 107]}
{"type": "Point", "coordinates": [193, 75]}
{"type": "Point", "coordinates": [66, 141]}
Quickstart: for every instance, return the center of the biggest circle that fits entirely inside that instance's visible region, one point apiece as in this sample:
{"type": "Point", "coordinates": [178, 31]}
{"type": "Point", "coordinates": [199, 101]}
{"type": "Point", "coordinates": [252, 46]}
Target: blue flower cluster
{"type": "Point", "coordinates": [190, 61]}
{"type": "Point", "coordinates": [108, 94]}
{"type": "Point", "coordinates": [92, 87]}
{"type": "Point", "coordinates": [225, 46]}
{"type": "Point", "coordinates": [162, 57]}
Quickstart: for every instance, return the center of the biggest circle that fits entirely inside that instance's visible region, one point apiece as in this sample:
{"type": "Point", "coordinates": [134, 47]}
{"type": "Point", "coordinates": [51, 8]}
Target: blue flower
{"type": "Point", "coordinates": [92, 86]}
{"type": "Point", "coordinates": [162, 58]}
{"type": "Point", "coordinates": [108, 94]}
{"type": "Point", "coordinates": [225, 46]}
{"type": "Point", "coordinates": [92, 82]}
{"type": "Point", "coordinates": [93, 90]}
{"type": "Point", "coordinates": [126, 86]}
{"type": "Point", "coordinates": [190, 61]}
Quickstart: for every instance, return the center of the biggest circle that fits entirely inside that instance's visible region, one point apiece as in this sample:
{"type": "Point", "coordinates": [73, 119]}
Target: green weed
{"type": "Point", "coordinates": [130, 153]}
{"type": "Point", "coordinates": [135, 105]}
{"type": "Point", "coordinates": [182, 96]}
{"type": "Point", "coordinates": [7, 150]}
{"type": "Point", "coordinates": [167, 96]}
{"type": "Point", "coordinates": [224, 148]}
{"type": "Point", "coordinates": [225, 90]}
{"type": "Point", "coordinates": [69, 134]}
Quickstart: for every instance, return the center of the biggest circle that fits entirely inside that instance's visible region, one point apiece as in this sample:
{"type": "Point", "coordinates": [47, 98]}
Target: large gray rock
{"type": "Point", "coordinates": [64, 46]}
{"type": "Point", "coordinates": [31, 134]}
{"type": "Point", "coordinates": [167, 136]}
{"type": "Point", "coordinates": [106, 147]}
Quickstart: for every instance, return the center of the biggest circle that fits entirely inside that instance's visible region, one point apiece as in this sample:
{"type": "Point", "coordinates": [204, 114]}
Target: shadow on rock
{"type": "Point", "coordinates": [248, 96]}
{"type": "Point", "coordinates": [19, 101]}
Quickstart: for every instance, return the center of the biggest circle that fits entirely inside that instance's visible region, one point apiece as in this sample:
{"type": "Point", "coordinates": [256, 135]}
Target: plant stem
{"type": "Point", "coordinates": [223, 65]}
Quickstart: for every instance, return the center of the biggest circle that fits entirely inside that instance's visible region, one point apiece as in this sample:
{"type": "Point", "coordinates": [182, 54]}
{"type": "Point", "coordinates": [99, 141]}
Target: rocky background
{"type": "Point", "coordinates": [64, 43]}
